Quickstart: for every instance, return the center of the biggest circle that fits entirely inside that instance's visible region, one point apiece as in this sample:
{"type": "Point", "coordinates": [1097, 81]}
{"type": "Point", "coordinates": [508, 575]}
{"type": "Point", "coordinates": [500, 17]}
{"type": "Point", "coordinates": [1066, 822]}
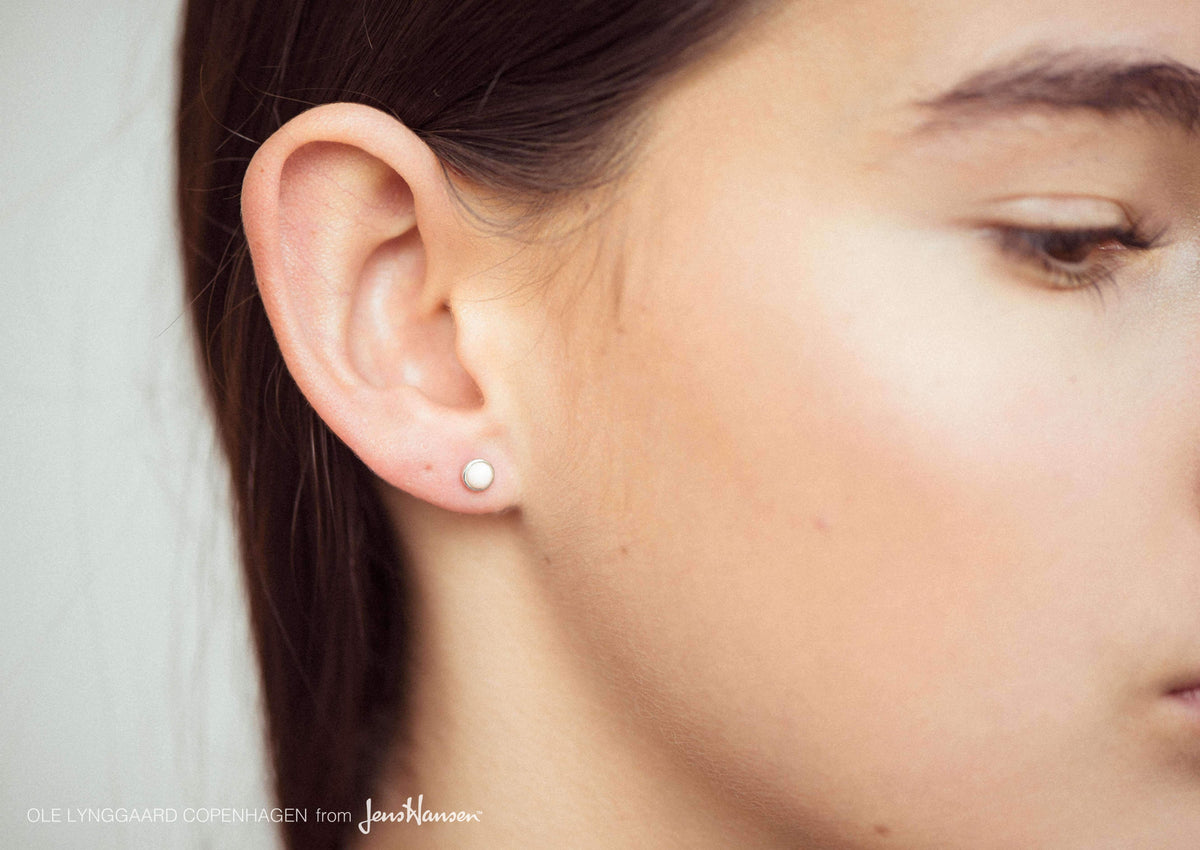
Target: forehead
{"type": "Point", "coordinates": [842, 79]}
{"type": "Point", "coordinates": [881, 50]}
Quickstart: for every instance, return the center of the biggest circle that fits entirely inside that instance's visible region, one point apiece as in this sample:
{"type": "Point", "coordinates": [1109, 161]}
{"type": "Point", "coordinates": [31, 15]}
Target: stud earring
{"type": "Point", "coordinates": [478, 475]}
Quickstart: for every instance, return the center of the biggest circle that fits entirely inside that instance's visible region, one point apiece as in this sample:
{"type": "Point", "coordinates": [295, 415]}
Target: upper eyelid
{"type": "Point", "coordinates": [1061, 211]}
{"type": "Point", "coordinates": [1001, 220]}
{"type": "Point", "coordinates": [1084, 214]}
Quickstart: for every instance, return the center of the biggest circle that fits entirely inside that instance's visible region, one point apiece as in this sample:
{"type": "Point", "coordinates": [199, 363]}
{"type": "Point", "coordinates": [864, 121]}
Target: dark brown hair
{"type": "Point", "coordinates": [529, 99]}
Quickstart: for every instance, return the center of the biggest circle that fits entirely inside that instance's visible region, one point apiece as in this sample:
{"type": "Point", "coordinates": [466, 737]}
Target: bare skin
{"type": "Point", "coordinates": [841, 500]}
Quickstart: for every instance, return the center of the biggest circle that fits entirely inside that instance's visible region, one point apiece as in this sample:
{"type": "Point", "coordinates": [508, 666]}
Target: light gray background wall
{"type": "Point", "coordinates": [125, 670]}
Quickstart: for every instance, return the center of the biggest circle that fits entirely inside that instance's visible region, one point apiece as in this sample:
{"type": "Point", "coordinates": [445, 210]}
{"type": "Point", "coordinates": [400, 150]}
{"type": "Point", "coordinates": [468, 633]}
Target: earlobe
{"type": "Point", "coordinates": [357, 248]}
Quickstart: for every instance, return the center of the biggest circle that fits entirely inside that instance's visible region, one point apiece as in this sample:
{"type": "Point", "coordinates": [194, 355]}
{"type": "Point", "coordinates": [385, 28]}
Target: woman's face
{"type": "Point", "coordinates": [873, 477]}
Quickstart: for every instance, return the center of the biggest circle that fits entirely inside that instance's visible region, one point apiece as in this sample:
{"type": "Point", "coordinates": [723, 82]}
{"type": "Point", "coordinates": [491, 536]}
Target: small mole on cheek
{"type": "Point", "coordinates": [881, 829]}
{"type": "Point", "coordinates": [624, 550]}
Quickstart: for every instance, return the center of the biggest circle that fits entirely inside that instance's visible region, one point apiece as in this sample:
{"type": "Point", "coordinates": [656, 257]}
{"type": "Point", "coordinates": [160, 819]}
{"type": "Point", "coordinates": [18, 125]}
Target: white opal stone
{"type": "Point", "coordinates": [478, 475]}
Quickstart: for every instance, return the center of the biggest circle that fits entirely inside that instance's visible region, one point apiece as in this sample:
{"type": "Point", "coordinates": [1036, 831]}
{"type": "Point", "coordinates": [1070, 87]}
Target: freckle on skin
{"type": "Point", "coordinates": [624, 550]}
{"type": "Point", "coordinates": [882, 830]}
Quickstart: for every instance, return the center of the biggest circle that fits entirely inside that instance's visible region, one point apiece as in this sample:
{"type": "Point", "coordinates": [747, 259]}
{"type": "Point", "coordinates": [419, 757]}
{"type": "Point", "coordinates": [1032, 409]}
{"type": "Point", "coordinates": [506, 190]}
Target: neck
{"type": "Point", "coordinates": [508, 733]}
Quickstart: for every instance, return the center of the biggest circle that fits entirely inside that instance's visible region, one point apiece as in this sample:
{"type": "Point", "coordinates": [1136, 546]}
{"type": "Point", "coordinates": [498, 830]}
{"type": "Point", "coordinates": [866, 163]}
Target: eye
{"type": "Point", "coordinates": [1074, 258]}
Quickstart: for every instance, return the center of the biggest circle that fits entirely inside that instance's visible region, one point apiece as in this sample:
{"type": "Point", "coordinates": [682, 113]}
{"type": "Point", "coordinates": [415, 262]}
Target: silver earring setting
{"type": "Point", "coordinates": [478, 475]}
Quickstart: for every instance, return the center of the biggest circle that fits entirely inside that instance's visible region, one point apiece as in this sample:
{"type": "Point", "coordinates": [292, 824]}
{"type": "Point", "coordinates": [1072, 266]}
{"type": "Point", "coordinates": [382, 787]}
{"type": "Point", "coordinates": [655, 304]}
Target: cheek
{"type": "Point", "coordinates": [829, 498]}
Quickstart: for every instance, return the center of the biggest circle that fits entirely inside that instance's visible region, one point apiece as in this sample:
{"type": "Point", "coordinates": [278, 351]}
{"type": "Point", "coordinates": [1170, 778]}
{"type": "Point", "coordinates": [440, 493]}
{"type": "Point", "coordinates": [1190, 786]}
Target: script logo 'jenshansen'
{"type": "Point", "coordinates": [408, 815]}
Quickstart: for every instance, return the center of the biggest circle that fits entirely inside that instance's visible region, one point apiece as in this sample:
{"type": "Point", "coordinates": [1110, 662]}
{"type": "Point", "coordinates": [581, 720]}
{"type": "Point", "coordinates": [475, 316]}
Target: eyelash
{"type": "Point", "coordinates": [1101, 250]}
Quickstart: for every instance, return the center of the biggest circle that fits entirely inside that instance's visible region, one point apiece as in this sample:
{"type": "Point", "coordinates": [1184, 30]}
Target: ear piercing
{"type": "Point", "coordinates": [478, 475]}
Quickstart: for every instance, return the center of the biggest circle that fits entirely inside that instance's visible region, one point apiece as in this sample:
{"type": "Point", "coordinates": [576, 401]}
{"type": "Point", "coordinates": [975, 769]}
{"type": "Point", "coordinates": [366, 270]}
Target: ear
{"type": "Point", "coordinates": [360, 254]}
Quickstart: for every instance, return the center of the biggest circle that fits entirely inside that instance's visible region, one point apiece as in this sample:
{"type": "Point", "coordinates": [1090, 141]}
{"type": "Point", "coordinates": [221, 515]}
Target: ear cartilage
{"type": "Point", "coordinates": [478, 475]}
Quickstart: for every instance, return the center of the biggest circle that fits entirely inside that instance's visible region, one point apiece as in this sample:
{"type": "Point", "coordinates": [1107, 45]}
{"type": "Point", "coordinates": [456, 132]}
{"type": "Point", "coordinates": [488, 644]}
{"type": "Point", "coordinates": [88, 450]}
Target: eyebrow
{"type": "Point", "coordinates": [1162, 91]}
